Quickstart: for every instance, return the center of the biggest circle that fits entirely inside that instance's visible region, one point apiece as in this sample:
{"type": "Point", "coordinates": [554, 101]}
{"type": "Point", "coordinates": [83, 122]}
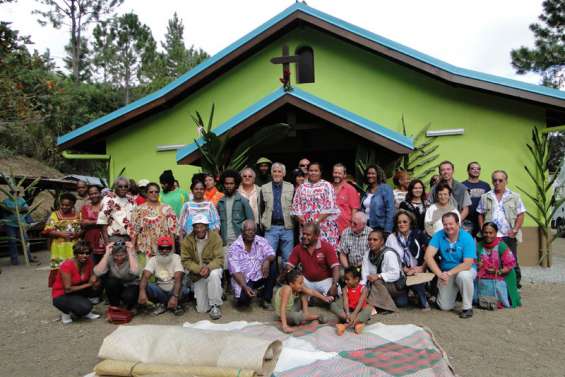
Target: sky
{"type": "Point", "coordinates": [477, 35]}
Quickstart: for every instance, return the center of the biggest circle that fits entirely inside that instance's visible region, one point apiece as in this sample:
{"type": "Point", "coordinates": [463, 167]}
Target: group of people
{"type": "Point", "coordinates": [287, 245]}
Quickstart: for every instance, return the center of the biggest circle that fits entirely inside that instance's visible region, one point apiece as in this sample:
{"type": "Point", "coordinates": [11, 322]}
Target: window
{"type": "Point", "coordinates": [305, 65]}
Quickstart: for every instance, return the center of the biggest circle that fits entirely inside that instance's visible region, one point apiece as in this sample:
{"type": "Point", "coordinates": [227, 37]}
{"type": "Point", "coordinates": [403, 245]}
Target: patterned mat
{"type": "Point", "coordinates": [380, 350]}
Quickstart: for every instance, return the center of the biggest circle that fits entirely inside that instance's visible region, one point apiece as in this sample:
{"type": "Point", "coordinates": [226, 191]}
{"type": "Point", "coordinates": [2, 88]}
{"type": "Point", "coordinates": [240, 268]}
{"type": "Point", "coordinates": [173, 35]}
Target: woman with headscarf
{"type": "Point", "coordinates": [410, 244]}
{"type": "Point", "coordinates": [496, 276]}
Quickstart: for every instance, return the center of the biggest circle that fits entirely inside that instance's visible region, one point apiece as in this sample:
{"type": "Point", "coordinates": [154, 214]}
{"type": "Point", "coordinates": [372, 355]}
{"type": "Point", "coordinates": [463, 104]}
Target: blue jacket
{"type": "Point", "coordinates": [241, 211]}
{"type": "Point", "coordinates": [381, 210]}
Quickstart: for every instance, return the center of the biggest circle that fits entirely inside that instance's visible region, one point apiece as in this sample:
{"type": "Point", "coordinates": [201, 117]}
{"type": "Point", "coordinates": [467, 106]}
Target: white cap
{"type": "Point", "coordinates": [142, 182]}
{"type": "Point", "coordinates": [200, 219]}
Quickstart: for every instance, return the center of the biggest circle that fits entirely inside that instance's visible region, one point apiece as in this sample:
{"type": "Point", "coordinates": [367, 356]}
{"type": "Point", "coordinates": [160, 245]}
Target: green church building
{"type": "Point", "coordinates": [350, 89]}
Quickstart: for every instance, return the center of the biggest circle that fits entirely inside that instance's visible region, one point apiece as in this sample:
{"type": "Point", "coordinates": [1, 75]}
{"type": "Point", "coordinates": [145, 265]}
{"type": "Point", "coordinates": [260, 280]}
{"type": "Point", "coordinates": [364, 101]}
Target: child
{"type": "Point", "coordinates": [288, 307]}
{"type": "Point", "coordinates": [352, 309]}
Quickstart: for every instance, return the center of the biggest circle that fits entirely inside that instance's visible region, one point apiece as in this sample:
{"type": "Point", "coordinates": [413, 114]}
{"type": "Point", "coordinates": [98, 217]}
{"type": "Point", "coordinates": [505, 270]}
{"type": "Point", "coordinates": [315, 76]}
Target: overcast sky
{"type": "Point", "coordinates": [471, 34]}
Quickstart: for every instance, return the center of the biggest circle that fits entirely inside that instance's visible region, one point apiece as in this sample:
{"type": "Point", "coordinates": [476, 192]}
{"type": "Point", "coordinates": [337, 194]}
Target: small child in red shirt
{"type": "Point", "coordinates": [352, 309]}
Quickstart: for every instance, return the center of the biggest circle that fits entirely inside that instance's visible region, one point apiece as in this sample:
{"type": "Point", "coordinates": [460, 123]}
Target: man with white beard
{"type": "Point", "coordinates": [167, 291]}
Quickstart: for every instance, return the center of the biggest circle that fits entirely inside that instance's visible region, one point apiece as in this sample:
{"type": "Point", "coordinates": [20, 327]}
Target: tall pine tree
{"type": "Point", "coordinates": [548, 56]}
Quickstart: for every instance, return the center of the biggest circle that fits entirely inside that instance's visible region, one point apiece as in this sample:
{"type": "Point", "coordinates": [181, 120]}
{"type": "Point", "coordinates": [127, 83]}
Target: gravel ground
{"type": "Point", "coordinates": [527, 341]}
{"type": "Point", "coordinates": [555, 274]}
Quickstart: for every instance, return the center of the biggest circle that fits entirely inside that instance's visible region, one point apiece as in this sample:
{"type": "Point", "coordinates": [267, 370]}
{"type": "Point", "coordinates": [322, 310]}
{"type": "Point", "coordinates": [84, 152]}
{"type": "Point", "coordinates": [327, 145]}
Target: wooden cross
{"type": "Point", "coordinates": [285, 60]}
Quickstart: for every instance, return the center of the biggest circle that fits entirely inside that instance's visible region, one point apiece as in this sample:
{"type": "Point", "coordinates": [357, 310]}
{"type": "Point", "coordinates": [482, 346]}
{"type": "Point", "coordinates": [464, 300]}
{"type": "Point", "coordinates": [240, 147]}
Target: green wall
{"type": "Point", "coordinates": [496, 128]}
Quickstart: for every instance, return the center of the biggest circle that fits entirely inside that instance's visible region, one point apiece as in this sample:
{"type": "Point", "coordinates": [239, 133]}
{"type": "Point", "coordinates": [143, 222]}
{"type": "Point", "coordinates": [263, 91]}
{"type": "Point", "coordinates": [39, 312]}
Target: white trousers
{"type": "Point", "coordinates": [208, 291]}
{"type": "Point", "coordinates": [322, 286]}
{"type": "Point", "coordinates": [463, 282]}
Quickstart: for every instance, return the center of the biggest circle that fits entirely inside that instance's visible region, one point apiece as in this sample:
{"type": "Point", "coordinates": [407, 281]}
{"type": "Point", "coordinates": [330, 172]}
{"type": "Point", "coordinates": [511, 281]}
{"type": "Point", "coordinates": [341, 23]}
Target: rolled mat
{"type": "Point", "coordinates": [118, 368]}
{"type": "Point", "coordinates": [180, 346]}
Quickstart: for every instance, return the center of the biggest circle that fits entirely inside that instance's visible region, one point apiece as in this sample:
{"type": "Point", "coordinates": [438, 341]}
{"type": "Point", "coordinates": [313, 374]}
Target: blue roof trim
{"type": "Point", "coordinates": [311, 99]}
{"type": "Point", "coordinates": [180, 80]}
{"type": "Point", "coordinates": [538, 89]}
{"type": "Point", "coordinates": [555, 93]}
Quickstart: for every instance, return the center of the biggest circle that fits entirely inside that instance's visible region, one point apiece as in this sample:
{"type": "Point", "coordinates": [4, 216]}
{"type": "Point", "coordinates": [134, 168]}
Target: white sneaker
{"type": "Point", "coordinates": [66, 319]}
{"type": "Point", "coordinates": [92, 315]}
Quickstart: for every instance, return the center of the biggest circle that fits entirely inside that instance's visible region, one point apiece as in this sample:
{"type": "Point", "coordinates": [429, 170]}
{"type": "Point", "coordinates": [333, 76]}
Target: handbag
{"type": "Point", "coordinates": [51, 277]}
{"type": "Point", "coordinates": [489, 301]}
{"type": "Point", "coordinates": [118, 316]}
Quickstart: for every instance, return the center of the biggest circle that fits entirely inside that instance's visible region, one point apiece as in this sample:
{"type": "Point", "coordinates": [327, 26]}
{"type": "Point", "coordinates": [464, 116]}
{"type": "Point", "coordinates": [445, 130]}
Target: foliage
{"type": "Point", "coordinates": [420, 163]}
{"type": "Point", "coordinates": [84, 66]}
{"type": "Point", "coordinates": [548, 56]}
{"type": "Point", "coordinates": [127, 48]}
{"type": "Point", "coordinates": [76, 15]}
{"type": "Point", "coordinates": [544, 199]}
{"type": "Point", "coordinates": [216, 156]}
{"type": "Point", "coordinates": [417, 162]}
{"type": "Point", "coordinates": [15, 187]}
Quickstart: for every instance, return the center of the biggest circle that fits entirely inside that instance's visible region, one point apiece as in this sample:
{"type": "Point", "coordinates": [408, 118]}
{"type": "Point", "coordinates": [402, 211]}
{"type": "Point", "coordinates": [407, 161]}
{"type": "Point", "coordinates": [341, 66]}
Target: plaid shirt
{"type": "Point", "coordinates": [354, 245]}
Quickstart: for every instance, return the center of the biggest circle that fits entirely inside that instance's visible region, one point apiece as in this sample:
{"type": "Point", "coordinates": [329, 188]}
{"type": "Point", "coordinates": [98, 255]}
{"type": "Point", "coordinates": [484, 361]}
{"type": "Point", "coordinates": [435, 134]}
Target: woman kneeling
{"type": "Point", "coordinates": [119, 274]}
{"type": "Point", "coordinates": [74, 284]}
{"type": "Point", "coordinates": [382, 272]}
{"type": "Point", "coordinates": [496, 276]}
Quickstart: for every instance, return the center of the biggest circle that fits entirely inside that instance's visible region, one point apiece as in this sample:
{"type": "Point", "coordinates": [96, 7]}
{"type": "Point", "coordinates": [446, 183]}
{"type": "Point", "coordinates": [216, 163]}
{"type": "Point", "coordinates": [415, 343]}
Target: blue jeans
{"type": "Point", "coordinates": [158, 295]}
{"type": "Point", "coordinates": [278, 236]}
{"type": "Point", "coordinates": [13, 234]}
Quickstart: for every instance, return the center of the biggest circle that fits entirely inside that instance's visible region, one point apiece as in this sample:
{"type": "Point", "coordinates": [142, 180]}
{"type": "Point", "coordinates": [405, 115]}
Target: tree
{"type": "Point", "coordinates": [548, 56]}
{"type": "Point", "coordinates": [131, 49]}
{"type": "Point", "coordinates": [178, 58]}
{"type": "Point", "coordinates": [84, 66]}
{"type": "Point", "coordinates": [77, 15]}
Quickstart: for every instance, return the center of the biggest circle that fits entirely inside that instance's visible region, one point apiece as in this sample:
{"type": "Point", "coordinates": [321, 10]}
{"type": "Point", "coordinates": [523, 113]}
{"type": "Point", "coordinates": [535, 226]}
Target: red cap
{"type": "Point", "coordinates": [165, 241]}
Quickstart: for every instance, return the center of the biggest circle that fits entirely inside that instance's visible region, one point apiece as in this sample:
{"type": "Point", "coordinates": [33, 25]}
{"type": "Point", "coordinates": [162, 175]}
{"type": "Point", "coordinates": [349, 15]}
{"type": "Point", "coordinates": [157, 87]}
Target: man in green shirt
{"type": "Point", "coordinates": [175, 197]}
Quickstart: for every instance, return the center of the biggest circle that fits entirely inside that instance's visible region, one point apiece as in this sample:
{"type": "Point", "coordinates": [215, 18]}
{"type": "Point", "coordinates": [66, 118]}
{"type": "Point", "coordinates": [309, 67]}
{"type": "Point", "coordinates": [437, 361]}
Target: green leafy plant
{"type": "Point", "coordinates": [11, 193]}
{"type": "Point", "coordinates": [421, 162]}
{"type": "Point", "coordinates": [217, 157]}
{"type": "Point", "coordinates": [544, 199]}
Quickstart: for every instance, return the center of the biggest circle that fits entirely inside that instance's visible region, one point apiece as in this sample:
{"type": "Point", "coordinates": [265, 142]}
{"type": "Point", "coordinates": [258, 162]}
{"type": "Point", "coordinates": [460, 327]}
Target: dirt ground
{"type": "Point", "coordinates": [528, 341]}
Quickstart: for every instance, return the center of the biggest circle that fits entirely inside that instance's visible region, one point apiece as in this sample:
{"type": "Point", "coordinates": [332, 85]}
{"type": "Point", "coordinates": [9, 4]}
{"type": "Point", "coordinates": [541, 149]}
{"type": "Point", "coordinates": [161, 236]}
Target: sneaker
{"type": "Point", "coordinates": [178, 311]}
{"type": "Point", "coordinates": [359, 328]}
{"type": "Point", "coordinates": [340, 329]}
{"type": "Point", "coordinates": [215, 312]}
{"type": "Point", "coordinates": [159, 309]}
{"type": "Point", "coordinates": [94, 300]}
{"type": "Point", "coordinates": [468, 313]}
{"type": "Point", "coordinates": [66, 319]}
{"type": "Point", "coordinates": [92, 315]}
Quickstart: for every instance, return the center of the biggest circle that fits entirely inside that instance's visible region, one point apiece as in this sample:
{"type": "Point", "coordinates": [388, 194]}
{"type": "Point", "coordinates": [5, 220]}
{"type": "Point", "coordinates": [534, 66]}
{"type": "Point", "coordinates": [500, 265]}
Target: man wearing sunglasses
{"type": "Point", "coordinates": [167, 292]}
{"type": "Point", "coordinates": [115, 212]}
{"type": "Point", "coordinates": [506, 209]}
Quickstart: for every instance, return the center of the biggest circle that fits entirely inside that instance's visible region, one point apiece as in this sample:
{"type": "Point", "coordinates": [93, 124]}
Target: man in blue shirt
{"type": "Point", "coordinates": [456, 270]}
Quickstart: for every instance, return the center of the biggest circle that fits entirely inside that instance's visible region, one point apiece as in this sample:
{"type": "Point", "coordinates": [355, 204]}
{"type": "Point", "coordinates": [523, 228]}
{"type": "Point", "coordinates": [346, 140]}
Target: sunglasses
{"type": "Point", "coordinates": [247, 176]}
{"type": "Point", "coordinates": [165, 248]}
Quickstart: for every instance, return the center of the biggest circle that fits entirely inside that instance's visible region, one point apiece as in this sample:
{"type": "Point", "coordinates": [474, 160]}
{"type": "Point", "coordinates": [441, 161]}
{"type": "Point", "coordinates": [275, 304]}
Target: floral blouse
{"type": "Point", "coordinates": [314, 199]}
{"type": "Point", "coordinates": [116, 214]}
{"type": "Point", "coordinates": [148, 223]}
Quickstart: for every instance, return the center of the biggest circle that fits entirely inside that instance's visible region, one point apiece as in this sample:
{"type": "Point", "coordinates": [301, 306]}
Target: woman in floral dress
{"type": "Point", "coordinates": [314, 201]}
{"type": "Point", "coordinates": [150, 221]}
{"type": "Point", "coordinates": [63, 228]}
